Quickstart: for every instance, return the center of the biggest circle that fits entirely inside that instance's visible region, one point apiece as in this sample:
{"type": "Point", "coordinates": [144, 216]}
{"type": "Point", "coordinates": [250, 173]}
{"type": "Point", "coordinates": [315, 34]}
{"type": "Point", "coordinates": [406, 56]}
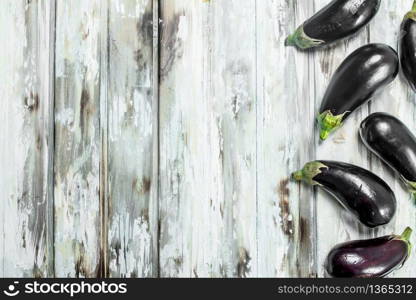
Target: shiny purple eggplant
{"type": "Point", "coordinates": [369, 258]}
{"type": "Point", "coordinates": [407, 47]}
{"type": "Point", "coordinates": [361, 192]}
{"type": "Point", "coordinates": [391, 140]}
{"type": "Point", "coordinates": [337, 20]}
{"type": "Point", "coordinates": [362, 75]}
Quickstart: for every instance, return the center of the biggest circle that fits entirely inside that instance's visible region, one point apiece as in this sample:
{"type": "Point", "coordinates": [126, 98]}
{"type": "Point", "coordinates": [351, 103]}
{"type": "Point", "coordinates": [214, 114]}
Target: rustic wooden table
{"type": "Point", "coordinates": [128, 152]}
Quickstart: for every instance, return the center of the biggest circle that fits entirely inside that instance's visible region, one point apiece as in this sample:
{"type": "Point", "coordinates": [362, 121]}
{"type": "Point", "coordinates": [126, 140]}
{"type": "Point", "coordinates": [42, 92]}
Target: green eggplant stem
{"type": "Point", "coordinates": [309, 171]}
{"type": "Point", "coordinates": [413, 196]}
{"type": "Point", "coordinates": [329, 123]}
{"type": "Point", "coordinates": [324, 134]}
{"type": "Point", "coordinates": [411, 14]}
{"type": "Point", "coordinates": [298, 175]}
{"type": "Point", "coordinates": [405, 237]}
{"type": "Point", "coordinates": [301, 40]}
{"type": "Point", "coordinates": [406, 234]}
{"type": "Point", "coordinates": [290, 40]}
{"type": "Point", "coordinates": [411, 185]}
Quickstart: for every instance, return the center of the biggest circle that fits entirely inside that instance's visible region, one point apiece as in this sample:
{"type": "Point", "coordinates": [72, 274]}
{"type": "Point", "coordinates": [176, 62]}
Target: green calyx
{"type": "Point", "coordinates": [406, 234]}
{"type": "Point", "coordinates": [406, 238]}
{"type": "Point", "coordinates": [301, 40]}
{"type": "Point", "coordinates": [309, 172]}
{"type": "Point", "coordinates": [411, 14]}
{"type": "Point", "coordinates": [328, 123]}
{"type": "Point", "coordinates": [411, 185]}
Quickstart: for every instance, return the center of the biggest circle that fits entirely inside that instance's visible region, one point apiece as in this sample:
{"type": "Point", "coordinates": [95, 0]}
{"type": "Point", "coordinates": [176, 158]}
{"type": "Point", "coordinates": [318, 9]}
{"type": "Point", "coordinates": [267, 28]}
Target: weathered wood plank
{"type": "Point", "coordinates": [26, 94]}
{"type": "Point", "coordinates": [335, 224]}
{"type": "Point", "coordinates": [399, 101]}
{"type": "Point", "coordinates": [231, 55]}
{"type": "Point", "coordinates": [285, 117]}
{"type": "Point", "coordinates": [78, 138]}
{"type": "Point", "coordinates": [207, 139]}
{"type": "Point", "coordinates": [131, 103]}
{"type": "Point", "coordinates": [237, 116]}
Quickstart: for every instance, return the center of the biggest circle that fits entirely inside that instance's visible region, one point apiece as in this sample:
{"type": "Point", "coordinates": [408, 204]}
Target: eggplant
{"type": "Point", "coordinates": [407, 47]}
{"type": "Point", "coordinates": [362, 74]}
{"type": "Point", "coordinates": [369, 258]}
{"type": "Point", "coordinates": [390, 139]}
{"type": "Point", "coordinates": [361, 192]}
{"type": "Point", "coordinates": [337, 20]}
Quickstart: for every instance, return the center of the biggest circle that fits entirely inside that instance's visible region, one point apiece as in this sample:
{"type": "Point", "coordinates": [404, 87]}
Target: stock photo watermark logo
{"type": "Point", "coordinates": [12, 290]}
{"type": "Point", "coordinates": [71, 289]}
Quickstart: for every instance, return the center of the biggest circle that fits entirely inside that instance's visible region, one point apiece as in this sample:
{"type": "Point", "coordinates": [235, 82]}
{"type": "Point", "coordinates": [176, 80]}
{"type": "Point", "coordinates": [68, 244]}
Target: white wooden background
{"type": "Point", "coordinates": [144, 138]}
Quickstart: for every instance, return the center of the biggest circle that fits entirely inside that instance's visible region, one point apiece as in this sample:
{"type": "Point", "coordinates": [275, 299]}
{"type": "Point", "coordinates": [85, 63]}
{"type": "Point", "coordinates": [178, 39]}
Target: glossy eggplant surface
{"type": "Point", "coordinates": [390, 139]}
{"type": "Point", "coordinates": [361, 192]}
{"type": "Point", "coordinates": [361, 75]}
{"type": "Point", "coordinates": [337, 20]}
{"type": "Point", "coordinates": [407, 47]}
{"type": "Point", "coordinates": [369, 258]}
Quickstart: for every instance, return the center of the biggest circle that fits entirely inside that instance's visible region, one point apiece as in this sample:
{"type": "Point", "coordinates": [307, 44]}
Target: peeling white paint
{"type": "Point", "coordinates": [25, 75]}
{"type": "Point", "coordinates": [207, 196]}
{"type": "Point", "coordinates": [237, 115]}
{"type": "Point", "coordinates": [131, 237]}
{"type": "Point", "coordinates": [66, 118]}
{"type": "Point", "coordinates": [183, 28]}
{"type": "Point", "coordinates": [77, 143]}
{"type": "Point", "coordinates": [132, 258]}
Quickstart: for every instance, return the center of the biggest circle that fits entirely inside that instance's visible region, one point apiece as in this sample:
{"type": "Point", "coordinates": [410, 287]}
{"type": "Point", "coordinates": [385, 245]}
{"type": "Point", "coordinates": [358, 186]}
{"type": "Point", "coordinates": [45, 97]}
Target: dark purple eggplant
{"type": "Point", "coordinates": [361, 192]}
{"type": "Point", "coordinates": [369, 258]}
{"type": "Point", "coordinates": [362, 74]}
{"type": "Point", "coordinates": [390, 139]}
{"type": "Point", "coordinates": [407, 47]}
{"type": "Point", "coordinates": [337, 20]}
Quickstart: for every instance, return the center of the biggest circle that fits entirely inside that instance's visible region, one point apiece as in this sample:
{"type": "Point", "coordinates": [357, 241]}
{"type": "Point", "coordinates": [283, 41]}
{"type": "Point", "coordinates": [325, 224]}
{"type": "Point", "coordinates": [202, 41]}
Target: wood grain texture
{"type": "Point", "coordinates": [285, 215]}
{"type": "Point", "coordinates": [230, 111]}
{"type": "Point", "coordinates": [219, 146]}
{"type": "Point", "coordinates": [208, 139]}
{"type": "Point", "coordinates": [121, 160]}
{"type": "Point", "coordinates": [78, 250]}
{"type": "Point", "coordinates": [130, 139]}
{"type": "Point", "coordinates": [26, 91]}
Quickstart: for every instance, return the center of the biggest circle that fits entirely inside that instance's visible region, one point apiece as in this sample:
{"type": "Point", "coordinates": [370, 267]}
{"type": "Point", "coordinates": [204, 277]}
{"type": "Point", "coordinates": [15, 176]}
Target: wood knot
{"type": "Point", "coordinates": [31, 102]}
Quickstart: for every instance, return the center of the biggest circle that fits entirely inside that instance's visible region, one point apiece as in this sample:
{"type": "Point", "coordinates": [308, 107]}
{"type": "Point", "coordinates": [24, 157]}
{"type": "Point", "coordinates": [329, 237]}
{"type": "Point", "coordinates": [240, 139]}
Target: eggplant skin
{"type": "Point", "coordinates": [361, 75]}
{"type": "Point", "coordinates": [390, 139]}
{"type": "Point", "coordinates": [361, 192]}
{"type": "Point", "coordinates": [369, 258]}
{"type": "Point", "coordinates": [407, 49]}
{"type": "Point", "coordinates": [337, 20]}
